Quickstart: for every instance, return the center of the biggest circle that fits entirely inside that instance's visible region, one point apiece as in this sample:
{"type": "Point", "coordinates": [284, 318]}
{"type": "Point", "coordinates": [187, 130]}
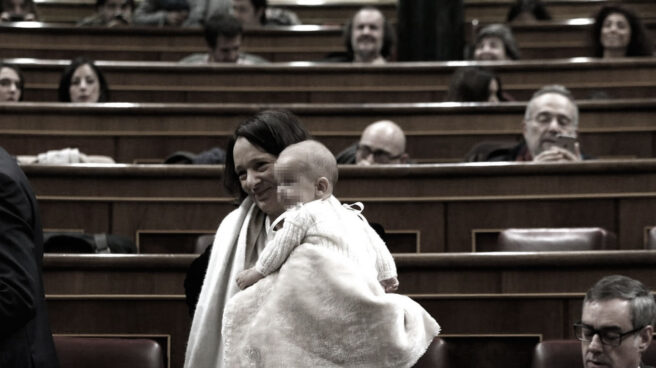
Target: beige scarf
{"type": "Point", "coordinates": [238, 242]}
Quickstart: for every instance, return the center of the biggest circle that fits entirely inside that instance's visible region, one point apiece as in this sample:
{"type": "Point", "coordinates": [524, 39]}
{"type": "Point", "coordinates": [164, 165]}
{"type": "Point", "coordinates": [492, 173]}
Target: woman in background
{"type": "Point", "coordinates": [82, 81]}
{"type": "Point", "coordinates": [475, 85]}
{"type": "Point", "coordinates": [617, 32]}
{"type": "Point", "coordinates": [12, 83]}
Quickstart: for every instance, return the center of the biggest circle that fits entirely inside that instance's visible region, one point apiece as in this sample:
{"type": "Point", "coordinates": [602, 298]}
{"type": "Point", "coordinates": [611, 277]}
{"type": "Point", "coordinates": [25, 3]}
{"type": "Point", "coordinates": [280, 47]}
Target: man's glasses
{"type": "Point", "coordinates": [380, 156]}
{"type": "Point", "coordinates": [610, 337]}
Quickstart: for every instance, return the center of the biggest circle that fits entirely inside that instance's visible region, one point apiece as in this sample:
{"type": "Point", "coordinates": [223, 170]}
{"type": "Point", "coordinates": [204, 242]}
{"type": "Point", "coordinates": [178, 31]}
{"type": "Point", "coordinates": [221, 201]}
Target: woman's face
{"type": "Point", "coordinates": [615, 31]}
{"type": "Point", "coordinates": [494, 91]}
{"type": "Point", "coordinates": [10, 85]}
{"type": "Point", "coordinates": [254, 167]}
{"type": "Point", "coordinates": [85, 86]}
{"type": "Point", "coordinates": [490, 48]}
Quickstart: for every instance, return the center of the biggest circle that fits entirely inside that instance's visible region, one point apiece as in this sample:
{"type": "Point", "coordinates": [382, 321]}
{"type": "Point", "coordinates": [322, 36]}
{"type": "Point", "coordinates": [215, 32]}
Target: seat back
{"type": "Point", "coordinates": [556, 239]}
{"type": "Point", "coordinates": [567, 354]}
{"type": "Point", "coordinates": [202, 242]}
{"type": "Point", "coordinates": [436, 355]}
{"type": "Point", "coordinates": [105, 352]}
{"type": "Point", "coordinates": [651, 239]}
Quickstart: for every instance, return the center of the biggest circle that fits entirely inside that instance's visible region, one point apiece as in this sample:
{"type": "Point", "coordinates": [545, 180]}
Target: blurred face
{"type": "Point", "coordinates": [246, 13]}
{"type": "Point", "coordinates": [16, 8]}
{"type": "Point", "coordinates": [367, 34]}
{"type": "Point", "coordinates": [10, 85]}
{"type": "Point", "coordinates": [614, 316]}
{"type": "Point", "coordinates": [227, 49]}
{"type": "Point", "coordinates": [254, 167]}
{"type": "Point", "coordinates": [550, 115]}
{"type": "Point", "coordinates": [615, 31]}
{"type": "Point", "coordinates": [118, 10]}
{"type": "Point", "coordinates": [494, 91]}
{"type": "Point", "coordinates": [85, 86]}
{"type": "Point", "coordinates": [293, 187]}
{"type": "Point", "coordinates": [490, 48]}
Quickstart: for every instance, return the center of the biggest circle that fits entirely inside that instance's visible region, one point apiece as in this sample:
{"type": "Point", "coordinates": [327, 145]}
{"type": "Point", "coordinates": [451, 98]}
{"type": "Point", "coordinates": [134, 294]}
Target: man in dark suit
{"type": "Point", "coordinates": [617, 323]}
{"type": "Point", "coordinates": [25, 337]}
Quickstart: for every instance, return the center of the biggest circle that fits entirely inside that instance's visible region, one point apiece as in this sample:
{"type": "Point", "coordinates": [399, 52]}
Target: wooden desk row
{"type": "Point", "coordinates": [436, 132]}
{"type": "Point", "coordinates": [524, 298]}
{"type": "Point", "coordinates": [424, 208]}
{"type": "Point", "coordinates": [555, 39]}
{"type": "Point", "coordinates": [340, 83]}
{"type": "Point", "coordinates": [337, 12]}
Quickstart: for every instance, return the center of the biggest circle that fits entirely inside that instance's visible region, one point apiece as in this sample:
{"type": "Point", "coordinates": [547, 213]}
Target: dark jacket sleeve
{"type": "Point", "coordinates": [19, 271]}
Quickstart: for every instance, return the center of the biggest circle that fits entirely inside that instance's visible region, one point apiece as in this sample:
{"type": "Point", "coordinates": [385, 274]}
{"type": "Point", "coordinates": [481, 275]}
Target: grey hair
{"type": "Point", "coordinates": [557, 89]}
{"type": "Point", "coordinates": [641, 301]}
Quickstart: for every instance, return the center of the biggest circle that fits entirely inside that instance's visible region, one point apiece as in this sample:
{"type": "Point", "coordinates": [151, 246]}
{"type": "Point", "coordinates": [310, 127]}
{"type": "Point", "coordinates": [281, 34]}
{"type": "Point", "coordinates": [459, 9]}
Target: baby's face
{"type": "Point", "coordinates": [293, 187]}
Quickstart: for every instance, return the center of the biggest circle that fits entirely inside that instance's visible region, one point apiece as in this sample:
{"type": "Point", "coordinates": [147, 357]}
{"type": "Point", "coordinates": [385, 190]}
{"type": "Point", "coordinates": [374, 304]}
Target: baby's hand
{"type": "Point", "coordinates": [390, 285]}
{"type": "Point", "coordinates": [248, 277]}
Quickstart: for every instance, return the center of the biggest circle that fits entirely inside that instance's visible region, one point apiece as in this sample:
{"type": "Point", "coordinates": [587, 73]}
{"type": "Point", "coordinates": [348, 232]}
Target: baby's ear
{"type": "Point", "coordinates": [322, 186]}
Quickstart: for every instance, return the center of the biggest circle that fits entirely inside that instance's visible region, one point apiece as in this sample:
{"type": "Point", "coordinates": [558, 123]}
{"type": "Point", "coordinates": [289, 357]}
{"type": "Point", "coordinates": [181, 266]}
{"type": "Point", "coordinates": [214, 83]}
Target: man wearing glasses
{"type": "Point", "coordinates": [616, 323]}
{"type": "Point", "coordinates": [381, 143]}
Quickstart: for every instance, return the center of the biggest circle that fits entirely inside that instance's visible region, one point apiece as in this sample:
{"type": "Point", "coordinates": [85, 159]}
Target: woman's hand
{"type": "Point", "coordinates": [248, 277]}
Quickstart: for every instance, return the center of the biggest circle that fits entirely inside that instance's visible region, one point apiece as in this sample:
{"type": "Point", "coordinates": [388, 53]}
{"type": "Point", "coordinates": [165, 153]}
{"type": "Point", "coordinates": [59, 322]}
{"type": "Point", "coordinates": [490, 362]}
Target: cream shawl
{"type": "Point", "coordinates": [229, 252]}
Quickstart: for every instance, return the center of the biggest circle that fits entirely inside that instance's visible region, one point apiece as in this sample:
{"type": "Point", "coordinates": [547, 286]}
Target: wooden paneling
{"type": "Point", "coordinates": [443, 204]}
{"type": "Point", "coordinates": [338, 83]}
{"type": "Point", "coordinates": [337, 12]}
{"type": "Point", "coordinates": [526, 297]}
{"type": "Point", "coordinates": [436, 132]}
{"type": "Point", "coordinates": [544, 40]}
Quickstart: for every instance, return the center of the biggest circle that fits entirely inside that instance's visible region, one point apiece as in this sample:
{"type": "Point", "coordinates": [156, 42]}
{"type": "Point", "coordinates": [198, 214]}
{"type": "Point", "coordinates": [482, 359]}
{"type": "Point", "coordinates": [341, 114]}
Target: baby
{"type": "Point", "coordinates": [306, 173]}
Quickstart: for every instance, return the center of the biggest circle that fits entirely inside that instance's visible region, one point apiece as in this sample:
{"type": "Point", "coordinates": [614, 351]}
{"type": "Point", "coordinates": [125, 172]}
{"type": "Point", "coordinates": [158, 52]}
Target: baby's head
{"type": "Point", "coordinates": [305, 171]}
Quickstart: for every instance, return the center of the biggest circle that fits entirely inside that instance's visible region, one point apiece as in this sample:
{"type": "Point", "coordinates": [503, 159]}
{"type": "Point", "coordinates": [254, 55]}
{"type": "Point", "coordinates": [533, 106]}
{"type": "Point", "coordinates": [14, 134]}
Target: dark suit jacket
{"type": "Point", "coordinates": [25, 337]}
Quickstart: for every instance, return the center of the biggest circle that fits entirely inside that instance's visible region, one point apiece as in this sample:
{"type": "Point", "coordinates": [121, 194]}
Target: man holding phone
{"type": "Point", "coordinates": [550, 124]}
{"type": "Point", "coordinates": [549, 127]}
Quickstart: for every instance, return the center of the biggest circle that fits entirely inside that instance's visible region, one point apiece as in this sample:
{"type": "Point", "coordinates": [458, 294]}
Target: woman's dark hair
{"type": "Point", "coordinates": [533, 7]}
{"type": "Point", "coordinates": [271, 131]}
{"type": "Point", "coordinates": [640, 43]}
{"type": "Point", "coordinates": [67, 76]}
{"type": "Point", "coordinates": [388, 34]}
{"type": "Point", "coordinates": [472, 85]}
{"type": "Point", "coordinates": [21, 78]}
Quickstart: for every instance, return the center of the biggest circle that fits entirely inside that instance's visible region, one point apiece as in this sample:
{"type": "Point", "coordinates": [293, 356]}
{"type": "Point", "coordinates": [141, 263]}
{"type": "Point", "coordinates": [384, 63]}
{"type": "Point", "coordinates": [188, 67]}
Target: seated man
{"type": "Point", "coordinates": [110, 13]}
{"type": "Point", "coordinates": [223, 35]}
{"type": "Point", "coordinates": [550, 130]}
{"type": "Point", "coordinates": [616, 323]}
{"type": "Point", "coordinates": [382, 142]}
{"type": "Point", "coordinates": [368, 37]}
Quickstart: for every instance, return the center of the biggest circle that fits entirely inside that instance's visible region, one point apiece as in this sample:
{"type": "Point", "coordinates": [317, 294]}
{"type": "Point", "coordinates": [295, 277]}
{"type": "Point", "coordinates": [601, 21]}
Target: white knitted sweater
{"type": "Point", "coordinates": [327, 223]}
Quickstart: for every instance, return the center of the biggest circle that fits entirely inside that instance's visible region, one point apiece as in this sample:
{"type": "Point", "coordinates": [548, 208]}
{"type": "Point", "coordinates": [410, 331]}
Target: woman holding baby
{"type": "Point", "coordinates": [285, 319]}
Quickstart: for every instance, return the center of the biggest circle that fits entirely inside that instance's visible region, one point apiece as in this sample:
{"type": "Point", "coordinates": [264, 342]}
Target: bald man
{"type": "Point", "coordinates": [381, 143]}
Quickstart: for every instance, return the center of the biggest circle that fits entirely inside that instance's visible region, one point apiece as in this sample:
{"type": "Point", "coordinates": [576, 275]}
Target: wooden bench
{"type": "Point", "coordinates": [424, 208]}
{"type": "Point", "coordinates": [337, 12]}
{"type": "Point", "coordinates": [548, 40]}
{"type": "Point", "coordinates": [338, 83]}
{"type": "Point", "coordinates": [436, 132]}
{"type": "Point", "coordinates": [526, 298]}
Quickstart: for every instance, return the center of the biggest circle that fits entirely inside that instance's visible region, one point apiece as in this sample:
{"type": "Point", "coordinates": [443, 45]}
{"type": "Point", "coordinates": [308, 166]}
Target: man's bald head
{"type": "Point", "coordinates": [382, 142]}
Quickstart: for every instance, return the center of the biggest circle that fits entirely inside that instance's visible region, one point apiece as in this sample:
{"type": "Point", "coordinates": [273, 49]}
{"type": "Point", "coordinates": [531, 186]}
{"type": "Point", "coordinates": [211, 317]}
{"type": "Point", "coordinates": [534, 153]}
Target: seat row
{"type": "Point", "coordinates": [424, 208]}
{"type": "Point", "coordinates": [525, 297]}
{"type": "Point", "coordinates": [436, 132]}
{"type": "Point", "coordinates": [548, 40]}
{"type": "Point", "coordinates": [334, 83]}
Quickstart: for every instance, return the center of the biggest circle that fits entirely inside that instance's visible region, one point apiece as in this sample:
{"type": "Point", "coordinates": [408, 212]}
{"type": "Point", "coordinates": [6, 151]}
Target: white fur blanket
{"type": "Point", "coordinates": [321, 311]}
